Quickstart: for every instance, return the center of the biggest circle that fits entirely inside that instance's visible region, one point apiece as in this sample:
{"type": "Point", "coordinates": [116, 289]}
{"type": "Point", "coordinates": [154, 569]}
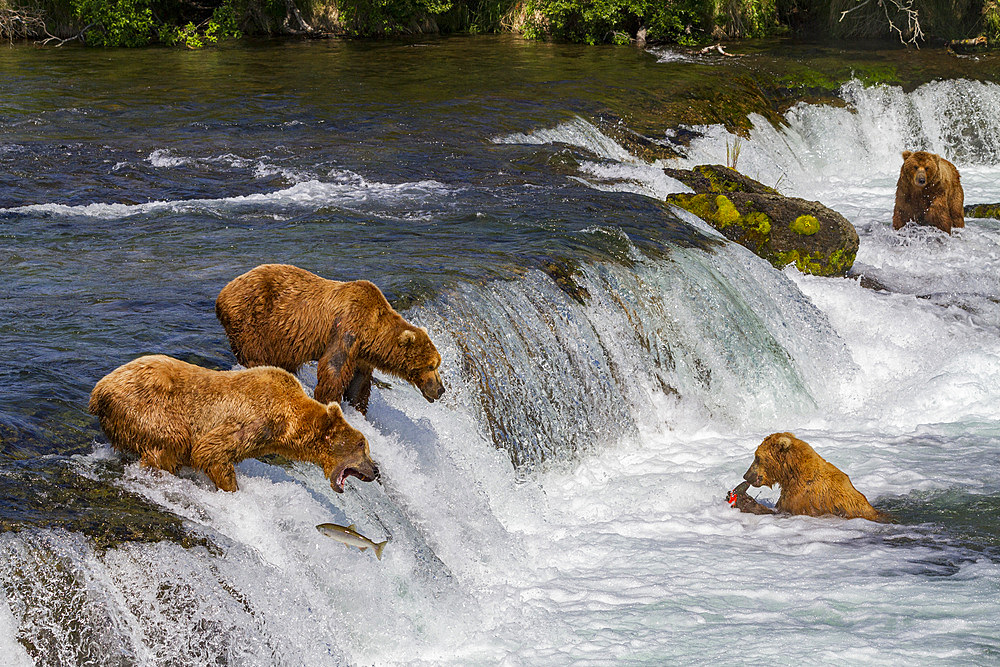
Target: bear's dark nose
{"type": "Point", "coordinates": [921, 179]}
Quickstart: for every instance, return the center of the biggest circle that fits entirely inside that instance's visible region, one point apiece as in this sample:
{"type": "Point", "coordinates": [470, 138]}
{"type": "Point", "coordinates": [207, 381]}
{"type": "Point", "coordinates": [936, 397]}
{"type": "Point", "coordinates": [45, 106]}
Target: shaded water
{"type": "Point", "coordinates": [611, 363]}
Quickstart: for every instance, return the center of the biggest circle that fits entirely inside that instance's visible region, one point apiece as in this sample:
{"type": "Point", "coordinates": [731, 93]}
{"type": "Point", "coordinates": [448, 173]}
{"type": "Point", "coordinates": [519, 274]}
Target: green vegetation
{"type": "Point", "coordinates": [117, 23]}
{"type": "Point", "coordinates": [806, 225]}
{"type": "Point", "coordinates": [223, 24]}
{"type": "Point", "coordinates": [128, 23]}
{"type": "Point", "coordinates": [199, 23]}
{"type": "Point", "coordinates": [991, 22]}
{"type": "Point", "coordinates": [982, 211]}
{"type": "Point", "coordinates": [751, 230]}
{"type": "Point", "coordinates": [815, 263]}
{"type": "Point", "coordinates": [617, 21]}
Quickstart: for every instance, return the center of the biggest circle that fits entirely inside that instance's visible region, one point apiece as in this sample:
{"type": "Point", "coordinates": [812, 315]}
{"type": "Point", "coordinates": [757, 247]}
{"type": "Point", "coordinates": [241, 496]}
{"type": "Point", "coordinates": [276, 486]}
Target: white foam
{"type": "Point", "coordinates": [162, 157]}
{"type": "Point", "coordinates": [310, 194]}
{"type": "Point", "coordinates": [668, 55]}
{"type": "Point", "coordinates": [576, 132]}
{"type": "Point", "coordinates": [13, 653]}
{"type": "Point", "coordinates": [642, 179]}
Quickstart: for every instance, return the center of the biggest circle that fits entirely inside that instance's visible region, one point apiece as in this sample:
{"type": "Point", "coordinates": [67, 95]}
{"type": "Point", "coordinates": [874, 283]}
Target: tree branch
{"type": "Point", "coordinates": [904, 7]}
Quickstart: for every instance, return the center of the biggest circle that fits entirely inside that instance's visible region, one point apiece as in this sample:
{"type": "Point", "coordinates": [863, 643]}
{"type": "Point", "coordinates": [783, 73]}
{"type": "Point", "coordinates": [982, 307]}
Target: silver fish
{"type": "Point", "coordinates": [349, 536]}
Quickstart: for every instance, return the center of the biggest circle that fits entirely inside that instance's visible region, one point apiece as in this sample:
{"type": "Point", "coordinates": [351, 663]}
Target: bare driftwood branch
{"type": "Point", "coordinates": [21, 23]}
{"type": "Point", "coordinates": [913, 33]}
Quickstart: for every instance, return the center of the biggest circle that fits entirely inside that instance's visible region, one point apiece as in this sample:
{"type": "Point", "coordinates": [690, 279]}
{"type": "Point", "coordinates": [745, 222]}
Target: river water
{"type": "Point", "coordinates": [611, 362]}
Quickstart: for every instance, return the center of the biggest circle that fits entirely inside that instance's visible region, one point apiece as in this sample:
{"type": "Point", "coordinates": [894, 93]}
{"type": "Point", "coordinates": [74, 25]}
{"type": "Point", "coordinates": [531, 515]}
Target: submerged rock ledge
{"type": "Point", "coordinates": [783, 230]}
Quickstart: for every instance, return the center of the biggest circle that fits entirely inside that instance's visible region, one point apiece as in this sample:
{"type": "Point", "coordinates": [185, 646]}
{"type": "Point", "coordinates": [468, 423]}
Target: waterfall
{"type": "Point", "coordinates": [717, 334]}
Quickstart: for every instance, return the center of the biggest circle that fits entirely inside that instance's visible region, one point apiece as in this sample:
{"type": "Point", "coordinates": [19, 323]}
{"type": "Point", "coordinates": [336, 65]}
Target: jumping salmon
{"type": "Point", "coordinates": [351, 537]}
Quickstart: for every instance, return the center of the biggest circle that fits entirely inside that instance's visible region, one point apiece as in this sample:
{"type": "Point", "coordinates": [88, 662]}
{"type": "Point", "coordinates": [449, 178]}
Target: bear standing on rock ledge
{"type": "Point", "coordinates": [929, 191]}
{"type": "Point", "coordinates": [172, 413]}
{"type": "Point", "coordinates": [281, 315]}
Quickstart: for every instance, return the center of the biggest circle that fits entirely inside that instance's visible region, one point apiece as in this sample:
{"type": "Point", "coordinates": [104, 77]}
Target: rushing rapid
{"type": "Point", "coordinates": [611, 365]}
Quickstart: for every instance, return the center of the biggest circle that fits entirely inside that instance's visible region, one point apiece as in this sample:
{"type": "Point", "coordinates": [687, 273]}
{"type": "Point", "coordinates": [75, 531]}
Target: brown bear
{"type": "Point", "coordinates": [281, 315]}
{"type": "Point", "coordinates": [173, 413]}
{"type": "Point", "coordinates": [929, 191]}
{"type": "Point", "coordinates": [809, 484]}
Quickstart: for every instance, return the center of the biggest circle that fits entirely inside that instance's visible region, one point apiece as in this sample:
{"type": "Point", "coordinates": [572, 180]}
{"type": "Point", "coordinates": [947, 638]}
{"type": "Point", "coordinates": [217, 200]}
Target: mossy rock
{"type": "Point", "coordinates": [982, 211]}
{"type": "Point", "coordinates": [49, 494]}
{"type": "Point", "coordinates": [717, 178]}
{"type": "Point", "coordinates": [782, 230]}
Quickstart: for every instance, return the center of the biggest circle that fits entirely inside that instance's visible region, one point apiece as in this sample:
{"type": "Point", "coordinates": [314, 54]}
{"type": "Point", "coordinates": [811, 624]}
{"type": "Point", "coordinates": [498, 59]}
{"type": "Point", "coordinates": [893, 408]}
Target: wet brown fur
{"type": "Point", "coordinates": [929, 191]}
{"type": "Point", "coordinates": [281, 315]}
{"type": "Point", "coordinates": [809, 484]}
{"type": "Point", "coordinates": [172, 413]}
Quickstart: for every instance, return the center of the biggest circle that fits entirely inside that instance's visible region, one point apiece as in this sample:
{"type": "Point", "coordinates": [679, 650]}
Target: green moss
{"type": "Point", "coordinates": [719, 184]}
{"type": "Point", "coordinates": [806, 225]}
{"type": "Point", "coordinates": [700, 205]}
{"type": "Point", "coordinates": [983, 211]}
{"type": "Point", "coordinates": [726, 214]}
{"type": "Point", "coordinates": [757, 222]}
{"type": "Point", "coordinates": [814, 263]}
{"type": "Point", "coordinates": [840, 262]}
{"type": "Point", "coordinates": [751, 230]}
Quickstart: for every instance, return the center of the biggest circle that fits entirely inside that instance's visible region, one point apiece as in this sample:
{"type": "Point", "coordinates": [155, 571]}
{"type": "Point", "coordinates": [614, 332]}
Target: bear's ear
{"type": "Point", "coordinates": [785, 442]}
{"type": "Point", "coordinates": [906, 155]}
{"type": "Point", "coordinates": [407, 337]}
{"type": "Point", "coordinates": [334, 411]}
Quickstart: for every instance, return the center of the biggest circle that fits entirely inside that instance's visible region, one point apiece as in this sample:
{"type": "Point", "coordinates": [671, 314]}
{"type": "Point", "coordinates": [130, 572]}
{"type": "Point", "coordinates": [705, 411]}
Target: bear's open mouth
{"type": "Point", "coordinates": [338, 484]}
{"type": "Point", "coordinates": [341, 479]}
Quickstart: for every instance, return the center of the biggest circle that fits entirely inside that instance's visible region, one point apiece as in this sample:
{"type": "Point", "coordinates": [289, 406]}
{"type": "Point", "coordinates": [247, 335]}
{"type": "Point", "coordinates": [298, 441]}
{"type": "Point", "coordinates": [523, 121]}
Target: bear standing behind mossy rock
{"type": "Point", "coordinates": [281, 315]}
{"type": "Point", "coordinates": [782, 230]}
{"type": "Point", "coordinates": [172, 413]}
{"type": "Point", "coordinates": [928, 192]}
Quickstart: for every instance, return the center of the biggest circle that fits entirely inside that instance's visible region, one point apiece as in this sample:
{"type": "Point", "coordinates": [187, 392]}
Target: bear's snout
{"type": "Point", "coordinates": [372, 474]}
{"type": "Point", "coordinates": [751, 476]}
{"type": "Point", "coordinates": [921, 178]}
{"type": "Point", "coordinates": [432, 388]}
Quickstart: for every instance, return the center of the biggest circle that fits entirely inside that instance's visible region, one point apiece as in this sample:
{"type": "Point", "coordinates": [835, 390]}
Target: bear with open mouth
{"type": "Point", "coordinates": [172, 413]}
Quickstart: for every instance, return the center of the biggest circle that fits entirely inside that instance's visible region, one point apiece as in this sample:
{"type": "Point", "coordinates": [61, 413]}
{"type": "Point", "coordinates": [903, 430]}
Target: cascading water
{"type": "Point", "coordinates": [531, 371]}
{"type": "Point", "coordinates": [563, 503]}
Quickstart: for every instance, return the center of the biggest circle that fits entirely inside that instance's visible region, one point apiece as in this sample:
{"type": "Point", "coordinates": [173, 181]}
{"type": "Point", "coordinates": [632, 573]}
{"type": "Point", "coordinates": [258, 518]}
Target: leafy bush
{"type": "Point", "coordinates": [615, 21]}
{"type": "Point", "coordinates": [685, 22]}
{"type": "Point", "coordinates": [115, 22]}
{"type": "Point", "coordinates": [223, 24]}
{"type": "Point", "coordinates": [379, 18]}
